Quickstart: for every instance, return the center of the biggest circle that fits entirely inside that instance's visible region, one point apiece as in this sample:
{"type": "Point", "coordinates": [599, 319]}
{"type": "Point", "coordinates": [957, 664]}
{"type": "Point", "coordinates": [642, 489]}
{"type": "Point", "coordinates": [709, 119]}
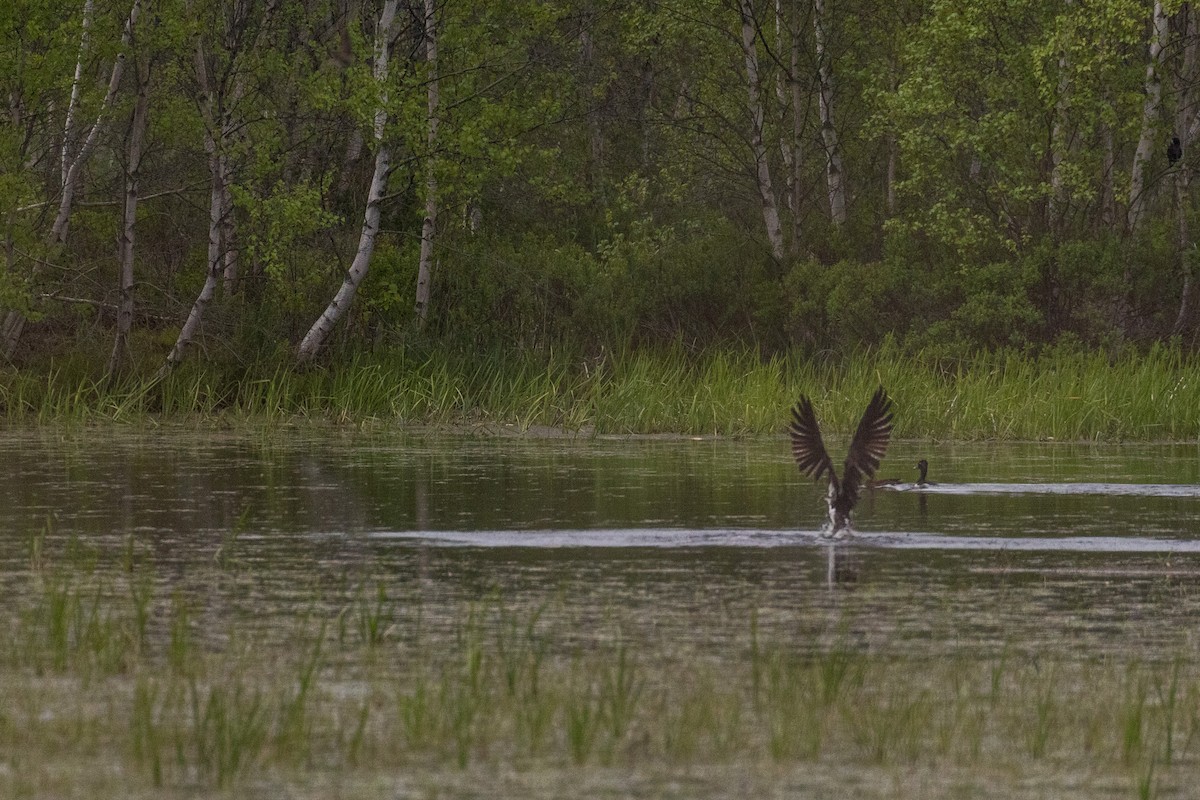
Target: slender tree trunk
{"type": "Point", "coordinates": [429, 224]}
{"type": "Point", "coordinates": [1059, 144]}
{"type": "Point", "coordinates": [1150, 111]}
{"type": "Point", "coordinates": [1185, 113]}
{"type": "Point", "coordinates": [319, 332]}
{"type": "Point", "coordinates": [889, 196]}
{"type": "Point", "coordinates": [133, 167]}
{"type": "Point", "coordinates": [229, 251]}
{"type": "Point", "coordinates": [215, 132]}
{"type": "Point", "coordinates": [770, 210]}
{"type": "Point", "coordinates": [795, 180]}
{"type": "Point", "coordinates": [68, 141]}
{"type": "Point", "coordinates": [14, 321]}
{"type": "Point", "coordinates": [58, 231]}
{"type": "Point", "coordinates": [1108, 165]}
{"type": "Point", "coordinates": [188, 332]}
{"type": "Point", "coordinates": [1183, 319]}
{"type": "Point", "coordinates": [587, 57]}
{"type": "Point", "coordinates": [835, 173]}
{"type": "Point", "coordinates": [787, 92]}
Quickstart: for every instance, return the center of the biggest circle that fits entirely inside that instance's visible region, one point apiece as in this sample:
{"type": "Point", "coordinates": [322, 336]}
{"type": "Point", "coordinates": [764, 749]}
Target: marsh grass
{"type": "Point", "coordinates": [1064, 395]}
{"type": "Point", "coordinates": [177, 705]}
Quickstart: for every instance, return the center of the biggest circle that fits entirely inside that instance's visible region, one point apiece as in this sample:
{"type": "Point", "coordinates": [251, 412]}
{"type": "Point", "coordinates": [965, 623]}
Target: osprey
{"type": "Point", "coordinates": [867, 448]}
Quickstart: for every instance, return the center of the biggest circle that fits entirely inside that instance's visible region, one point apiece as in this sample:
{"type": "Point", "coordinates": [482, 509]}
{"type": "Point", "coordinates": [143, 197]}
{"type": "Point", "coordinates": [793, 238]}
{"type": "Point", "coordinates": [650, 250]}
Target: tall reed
{"type": "Point", "coordinates": [1061, 395]}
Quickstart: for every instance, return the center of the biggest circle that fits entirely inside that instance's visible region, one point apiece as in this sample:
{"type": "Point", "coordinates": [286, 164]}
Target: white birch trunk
{"type": "Point", "coordinates": [835, 173]}
{"type": "Point", "coordinates": [218, 198]}
{"type": "Point", "coordinates": [795, 180]}
{"type": "Point", "coordinates": [137, 134]}
{"type": "Point", "coordinates": [58, 231]}
{"type": "Point", "coordinates": [1059, 145]}
{"type": "Point", "coordinates": [789, 143]}
{"type": "Point", "coordinates": [766, 192]}
{"type": "Point", "coordinates": [215, 205]}
{"type": "Point", "coordinates": [1150, 111]}
{"type": "Point", "coordinates": [429, 224]}
{"type": "Point", "coordinates": [68, 141]}
{"type": "Point", "coordinates": [315, 338]}
{"type": "Point", "coordinates": [14, 321]}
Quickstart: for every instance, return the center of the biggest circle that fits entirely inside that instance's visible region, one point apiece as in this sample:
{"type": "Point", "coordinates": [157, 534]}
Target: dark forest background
{"type": "Point", "coordinates": [802, 175]}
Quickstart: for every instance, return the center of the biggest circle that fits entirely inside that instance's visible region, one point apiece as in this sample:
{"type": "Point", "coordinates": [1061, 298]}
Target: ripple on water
{"type": "Point", "coordinates": [722, 537]}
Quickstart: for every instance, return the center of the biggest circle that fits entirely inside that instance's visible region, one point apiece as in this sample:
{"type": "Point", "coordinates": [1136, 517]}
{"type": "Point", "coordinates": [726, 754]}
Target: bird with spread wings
{"type": "Point", "coordinates": [867, 449]}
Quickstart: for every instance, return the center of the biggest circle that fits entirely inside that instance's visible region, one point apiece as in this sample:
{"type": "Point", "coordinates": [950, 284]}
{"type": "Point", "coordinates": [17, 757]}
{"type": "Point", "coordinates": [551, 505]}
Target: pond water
{"type": "Point", "coordinates": [651, 617]}
{"type": "Point", "coordinates": [1074, 548]}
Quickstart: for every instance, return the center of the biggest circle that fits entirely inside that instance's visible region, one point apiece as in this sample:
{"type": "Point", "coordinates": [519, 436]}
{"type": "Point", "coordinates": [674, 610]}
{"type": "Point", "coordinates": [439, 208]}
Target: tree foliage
{"type": "Point", "coordinates": [596, 182]}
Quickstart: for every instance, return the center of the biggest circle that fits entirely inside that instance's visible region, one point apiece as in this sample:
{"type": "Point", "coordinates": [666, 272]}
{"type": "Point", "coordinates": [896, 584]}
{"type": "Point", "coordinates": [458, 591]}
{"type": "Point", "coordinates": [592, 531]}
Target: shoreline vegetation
{"type": "Point", "coordinates": [1061, 395]}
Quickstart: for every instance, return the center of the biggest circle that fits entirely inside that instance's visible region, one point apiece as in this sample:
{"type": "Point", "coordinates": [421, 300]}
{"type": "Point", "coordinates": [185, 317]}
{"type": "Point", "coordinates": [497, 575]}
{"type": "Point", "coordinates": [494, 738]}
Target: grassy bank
{"type": "Point", "coordinates": [115, 684]}
{"type": "Point", "coordinates": [1062, 396]}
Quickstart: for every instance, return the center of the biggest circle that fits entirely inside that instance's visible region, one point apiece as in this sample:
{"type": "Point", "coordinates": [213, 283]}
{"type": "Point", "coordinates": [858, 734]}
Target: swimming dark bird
{"type": "Point", "coordinates": [867, 448]}
{"type": "Point", "coordinates": [1174, 151]}
{"type": "Point", "coordinates": [883, 483]}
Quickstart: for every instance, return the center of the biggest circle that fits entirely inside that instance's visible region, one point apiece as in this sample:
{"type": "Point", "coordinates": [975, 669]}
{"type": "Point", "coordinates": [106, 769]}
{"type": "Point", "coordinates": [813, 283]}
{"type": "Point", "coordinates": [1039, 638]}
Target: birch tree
{"type": "Point", "coordinates": [1138, 190]}
{"type": "Point", "coordinates": [1059, 138]}
{"type": "Point", "coordinates": [766, 191]}
{"type": "Point", "coordinates": [789, 93]}
{"type": "Point", "coordinates": [133, 168]}
{"type": "Point", "coordinates": [429, 223]}
{"type": "Point", "coordinates": [319, 332]}
{"type": "Point", "coordinates": [218, 99]}
{"type": "Point", "coordinates": [835, 171]}
{"type": "Point", "coordinates": [12, 324]}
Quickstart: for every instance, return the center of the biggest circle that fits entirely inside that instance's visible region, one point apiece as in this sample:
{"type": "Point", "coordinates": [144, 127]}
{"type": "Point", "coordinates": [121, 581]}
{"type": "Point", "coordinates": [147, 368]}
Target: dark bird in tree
{"type": "Point", "coordinates": [867, 448]}
{"type": "Point", "coordinates": [1174, 151]}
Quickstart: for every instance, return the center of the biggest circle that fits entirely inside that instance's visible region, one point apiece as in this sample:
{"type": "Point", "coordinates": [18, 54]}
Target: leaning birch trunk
{"type": "Point", "coordinates": [58, 231]}
{"type": "Point", "coordinates": [1150, 110]}
{"type": "Point", "coordinates": [835, 173]}
{"type": "Point", "coordinates": [215, 207]}
{"type": "Point", "coordinates": [429, 223]}
{"type": "Point", "coordinates": [770, 210]}
{"type": "Point", "coordinates": [137, 134]}
{"type": "Point", "coordinates": [14, 321]}
{"type": "Point", "coordinates": [320, 330]}
{"type": "Point", "coordinates": [218, 206]}
{"type": "Point", "coordinates": [73, 105]}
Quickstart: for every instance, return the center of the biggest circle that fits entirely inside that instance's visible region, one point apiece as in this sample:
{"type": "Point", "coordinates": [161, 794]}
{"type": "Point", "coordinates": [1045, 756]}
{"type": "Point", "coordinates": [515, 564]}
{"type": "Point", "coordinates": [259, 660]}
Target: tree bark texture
{"type": "Point", "coordinates": [1138, 190]}
{"type": "Point", "coordinates": [314, 340]}
{"type": "Point", "coordinates": [429, 223]}
{"type": "Point", "coordinates": [766, 191]}
{"type": "Point", "coordinates": [72, 173]}
{"type": "Point", "coordinates": [835, 172]}
{"type": "Point", "coordinates": [133, 166]}
{"type": "Point", "coordinates": [1185, 115]}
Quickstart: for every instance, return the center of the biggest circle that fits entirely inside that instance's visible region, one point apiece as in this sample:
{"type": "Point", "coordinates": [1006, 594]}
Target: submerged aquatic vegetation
{"type": "Point", "coordinates": [365, 681]}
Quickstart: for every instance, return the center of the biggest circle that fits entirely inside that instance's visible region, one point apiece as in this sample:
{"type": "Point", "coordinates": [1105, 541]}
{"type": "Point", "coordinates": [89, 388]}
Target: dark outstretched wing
{"type": "Point", "coordinates": [807, 447]}
{"type": "Point", "coordinates": [868, 446]}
